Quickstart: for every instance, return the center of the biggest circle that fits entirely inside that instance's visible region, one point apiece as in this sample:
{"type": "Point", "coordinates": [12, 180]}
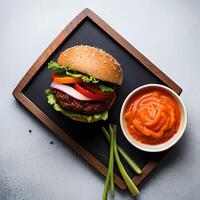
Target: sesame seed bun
{"type": "Point", "coordinates": [92, 61]}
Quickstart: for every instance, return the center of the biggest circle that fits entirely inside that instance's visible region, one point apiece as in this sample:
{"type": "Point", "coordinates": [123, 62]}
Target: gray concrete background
{"type": "Point", "coordinates": [166, 32]}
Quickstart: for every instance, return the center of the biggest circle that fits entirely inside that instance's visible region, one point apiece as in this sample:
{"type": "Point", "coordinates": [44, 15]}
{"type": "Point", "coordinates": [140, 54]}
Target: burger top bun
{"type": "Point", "coordinates": [92, 61]}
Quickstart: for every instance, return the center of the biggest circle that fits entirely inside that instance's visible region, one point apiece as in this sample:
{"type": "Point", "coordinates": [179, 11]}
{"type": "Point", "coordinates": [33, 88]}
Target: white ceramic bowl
{"type": "Point", "coordinates": [160, 147]}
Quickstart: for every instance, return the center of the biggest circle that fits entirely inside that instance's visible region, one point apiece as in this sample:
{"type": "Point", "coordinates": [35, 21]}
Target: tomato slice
{"type": "Point", "coordinates": [95, 89]}
{"type": "Point", "coordinates": [96, 95]}
{"type": "Point", "coordinates": [53, 76]}
{"type": "Point", "coordinates": [65, 79]}
{"type": "Point", "coordinates": [92, 88]}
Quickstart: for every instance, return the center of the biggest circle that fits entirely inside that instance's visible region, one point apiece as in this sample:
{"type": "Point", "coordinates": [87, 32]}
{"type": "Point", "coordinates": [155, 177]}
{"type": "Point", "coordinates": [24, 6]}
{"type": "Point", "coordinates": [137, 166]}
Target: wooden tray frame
{"type": "Point", "coordinates": [18, 94]}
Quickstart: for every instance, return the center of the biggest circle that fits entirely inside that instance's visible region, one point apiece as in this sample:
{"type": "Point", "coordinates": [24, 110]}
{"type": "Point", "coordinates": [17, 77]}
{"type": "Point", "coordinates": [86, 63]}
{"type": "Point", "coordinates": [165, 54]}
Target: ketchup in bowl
{"type": "Point", "coordinates": [152, 116]}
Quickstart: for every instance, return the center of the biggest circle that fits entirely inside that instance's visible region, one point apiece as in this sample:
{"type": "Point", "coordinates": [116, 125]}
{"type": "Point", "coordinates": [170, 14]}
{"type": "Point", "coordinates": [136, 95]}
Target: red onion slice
{"type": "Point", "coordinates": [70, 91]}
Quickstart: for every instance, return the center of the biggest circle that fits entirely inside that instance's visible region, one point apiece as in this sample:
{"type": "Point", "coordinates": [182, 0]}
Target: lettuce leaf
{"type": "Point", "coordinates": [105, 88]}
{"type": "Point", "coordinates": [89, 118]}
{"type": "Point", "coordinates": [55, 67]}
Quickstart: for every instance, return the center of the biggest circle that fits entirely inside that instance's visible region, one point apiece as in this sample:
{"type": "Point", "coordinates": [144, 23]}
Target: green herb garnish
{"type": "Point", "coordinates": [114, 148]}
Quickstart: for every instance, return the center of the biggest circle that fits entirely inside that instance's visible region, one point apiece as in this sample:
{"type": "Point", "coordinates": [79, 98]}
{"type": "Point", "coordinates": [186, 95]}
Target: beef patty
{"type": "Point", "coordinates": [85, 107]}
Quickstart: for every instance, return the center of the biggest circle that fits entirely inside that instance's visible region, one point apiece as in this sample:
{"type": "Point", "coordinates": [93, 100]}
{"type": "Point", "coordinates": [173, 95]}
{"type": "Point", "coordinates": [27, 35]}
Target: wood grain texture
{"type": "Point", "coordinates": [18, 91]}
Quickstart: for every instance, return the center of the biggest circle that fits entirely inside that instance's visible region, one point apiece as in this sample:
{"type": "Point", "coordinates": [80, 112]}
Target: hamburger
{"type": "Point", "coordinates": [84, 80]}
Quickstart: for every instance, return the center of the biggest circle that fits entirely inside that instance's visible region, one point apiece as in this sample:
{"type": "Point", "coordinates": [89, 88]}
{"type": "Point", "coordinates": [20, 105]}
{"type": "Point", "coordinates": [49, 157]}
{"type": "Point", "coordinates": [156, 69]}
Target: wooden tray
{"type": "Point", "coordinates": [87, 139]}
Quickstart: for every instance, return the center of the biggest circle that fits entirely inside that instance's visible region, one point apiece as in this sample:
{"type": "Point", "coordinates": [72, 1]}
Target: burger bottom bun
{"type": "Point", "coordinates": [79, 119]}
